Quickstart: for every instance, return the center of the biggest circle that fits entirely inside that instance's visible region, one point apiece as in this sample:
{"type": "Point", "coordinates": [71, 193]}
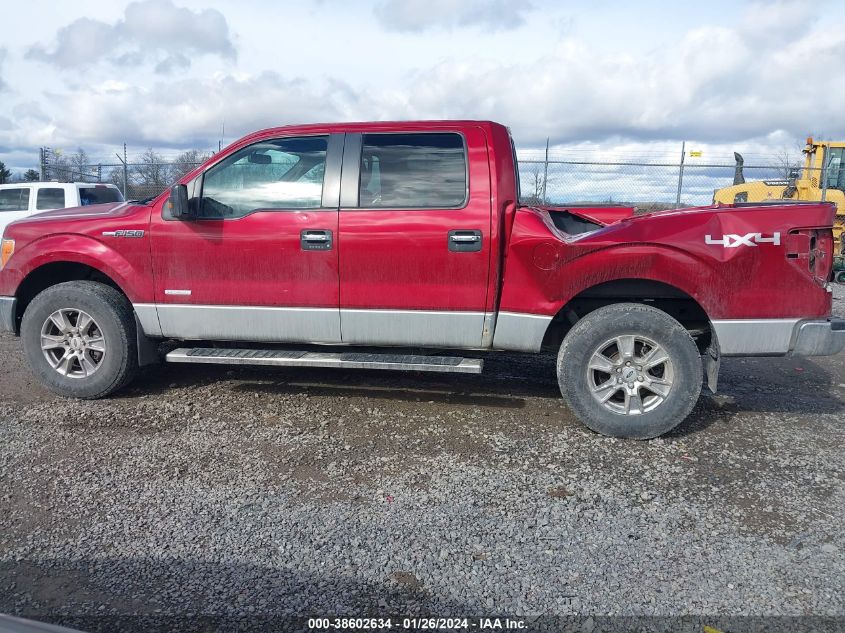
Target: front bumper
{"type": "Point", "coordinates": [819, 338]}
{"type": "Point", "coordinates": [8, 312]}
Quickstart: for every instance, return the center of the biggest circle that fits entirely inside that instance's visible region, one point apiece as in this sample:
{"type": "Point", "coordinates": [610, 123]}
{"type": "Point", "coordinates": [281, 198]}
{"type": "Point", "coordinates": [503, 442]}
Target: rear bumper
{"type": "Point", "coordinates": [819, 338]}
{"type": "Point", "coordinates": [8, 311]}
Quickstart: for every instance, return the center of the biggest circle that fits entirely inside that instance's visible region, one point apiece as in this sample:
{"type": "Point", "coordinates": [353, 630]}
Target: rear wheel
{"type": "Point", "coordinates": [840, 277]}
{"type": "Point", "coordinates": [79, 339]}
{"type": "Point", "coordinates": [629, 370]}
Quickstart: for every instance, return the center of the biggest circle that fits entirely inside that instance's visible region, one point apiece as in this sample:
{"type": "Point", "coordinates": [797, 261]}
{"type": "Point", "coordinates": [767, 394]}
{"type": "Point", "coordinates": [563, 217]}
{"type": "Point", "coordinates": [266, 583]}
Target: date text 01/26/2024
{"type": "Point", "coordinates": [417, 624]}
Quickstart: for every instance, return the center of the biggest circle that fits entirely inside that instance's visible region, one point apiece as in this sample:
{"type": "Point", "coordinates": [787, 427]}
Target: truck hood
{"type": "Point", "coordinates": [71, 213]}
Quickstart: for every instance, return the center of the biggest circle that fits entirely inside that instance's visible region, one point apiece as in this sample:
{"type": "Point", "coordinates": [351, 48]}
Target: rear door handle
{"type": "Point", "coordinates": [315, 240]}
{"type": "Point", "coordinates": [465, 241]}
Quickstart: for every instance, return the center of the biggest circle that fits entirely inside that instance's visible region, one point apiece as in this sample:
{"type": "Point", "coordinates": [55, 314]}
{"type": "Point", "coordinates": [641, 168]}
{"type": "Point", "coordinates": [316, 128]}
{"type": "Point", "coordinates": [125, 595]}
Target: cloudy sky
{"type": "Point", "coordinates": [617, 78]}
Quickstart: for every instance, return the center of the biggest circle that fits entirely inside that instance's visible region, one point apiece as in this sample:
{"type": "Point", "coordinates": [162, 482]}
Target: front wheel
{"type": "Point", "coordinates": [840, 277]}
{"type": "Point", "coordinates": [630, 371]}
{"type": "Point", "coordinates": [79, 339]}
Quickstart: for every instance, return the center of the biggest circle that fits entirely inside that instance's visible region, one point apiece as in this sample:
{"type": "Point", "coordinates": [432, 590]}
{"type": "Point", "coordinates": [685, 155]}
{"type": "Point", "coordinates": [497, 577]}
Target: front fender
{"type": "Point", "coordinates": [126, 263]}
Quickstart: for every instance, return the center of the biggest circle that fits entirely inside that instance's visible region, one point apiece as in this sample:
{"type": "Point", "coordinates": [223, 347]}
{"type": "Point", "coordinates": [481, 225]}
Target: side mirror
{"type": "Point", "coordinates": [177, 204]}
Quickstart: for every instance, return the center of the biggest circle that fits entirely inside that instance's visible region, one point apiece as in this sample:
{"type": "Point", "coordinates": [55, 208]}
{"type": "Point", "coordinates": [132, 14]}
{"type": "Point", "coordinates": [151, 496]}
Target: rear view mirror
{"type": "Point", "coordinates": [177, 204]}
{"type": "Point", "coordinates": [259, 159]}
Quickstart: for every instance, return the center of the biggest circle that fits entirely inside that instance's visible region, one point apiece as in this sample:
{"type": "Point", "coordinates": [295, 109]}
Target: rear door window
{"type": "Point", "coordinates": [98, 195]}
{"type": "Point", "coordinates": [414, 171]}
{"type": "Point", "coordinates": [14, 199]}
{"type": "Point", "coordinates": [50, 198]}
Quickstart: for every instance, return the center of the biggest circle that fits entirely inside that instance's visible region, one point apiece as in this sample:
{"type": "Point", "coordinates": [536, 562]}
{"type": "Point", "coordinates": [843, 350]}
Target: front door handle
{"type": "Point", "coordinates": [315, 240]}
{"type": "Point", "coordinates": [465, 241]}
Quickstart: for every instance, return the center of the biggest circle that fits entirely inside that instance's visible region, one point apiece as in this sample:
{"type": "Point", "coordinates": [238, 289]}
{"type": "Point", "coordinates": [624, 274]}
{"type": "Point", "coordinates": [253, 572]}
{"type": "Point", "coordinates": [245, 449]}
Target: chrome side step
{"type": "Point", "coordinates": [351, 360]}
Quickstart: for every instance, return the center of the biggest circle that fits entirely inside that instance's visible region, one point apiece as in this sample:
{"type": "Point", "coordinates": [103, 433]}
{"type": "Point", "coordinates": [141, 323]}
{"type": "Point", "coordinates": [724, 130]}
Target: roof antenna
{"type": "Point", "coordinates": [222, 134]}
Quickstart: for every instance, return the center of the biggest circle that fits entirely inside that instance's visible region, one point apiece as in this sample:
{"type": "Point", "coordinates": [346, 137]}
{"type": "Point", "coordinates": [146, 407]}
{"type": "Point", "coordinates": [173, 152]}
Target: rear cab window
{"type": "Point", "coordinates": [16, 199]}
{"type": "Point", "coordinates": [50, 198]}
{"type": "Point", "coordinates": [98, 195]}
{"type": "Point", "coordinates": [413, 171]}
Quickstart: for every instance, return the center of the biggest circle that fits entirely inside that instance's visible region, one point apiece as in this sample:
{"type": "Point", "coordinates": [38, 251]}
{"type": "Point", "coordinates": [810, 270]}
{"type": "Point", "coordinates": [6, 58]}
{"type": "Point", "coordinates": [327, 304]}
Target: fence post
{"type": "Point", "coordinates": [681, 174]}
{"type": "Point", "coordinates": [125, 173]}
{"type": "Point", "coordinates": [546, 170]}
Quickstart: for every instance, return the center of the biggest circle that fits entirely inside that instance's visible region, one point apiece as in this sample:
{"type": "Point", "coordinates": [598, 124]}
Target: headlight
{"type": "Point", "coordinates": [6, 250]}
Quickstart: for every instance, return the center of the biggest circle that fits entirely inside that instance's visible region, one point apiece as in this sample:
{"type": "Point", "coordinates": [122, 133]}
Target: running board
{"type": "Point", "coordinates": [351, 360]}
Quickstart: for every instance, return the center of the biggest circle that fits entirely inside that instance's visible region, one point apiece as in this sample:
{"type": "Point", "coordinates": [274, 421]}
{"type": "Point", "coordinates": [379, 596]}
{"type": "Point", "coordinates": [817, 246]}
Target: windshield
{"type": "Point", "coordinates": [99, 195]}
{"type": "Point", "coordinates": [836, 169]}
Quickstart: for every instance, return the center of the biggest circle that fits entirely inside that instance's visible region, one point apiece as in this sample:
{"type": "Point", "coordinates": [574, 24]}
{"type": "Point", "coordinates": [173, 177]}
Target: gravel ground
{"type": "Point", "coordinates": [246, 492]}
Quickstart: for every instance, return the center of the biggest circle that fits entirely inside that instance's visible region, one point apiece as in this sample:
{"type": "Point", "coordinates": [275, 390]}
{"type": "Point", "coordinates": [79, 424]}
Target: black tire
{"type": "Point", "coordinates": [591, 334]}
{"type": "Point", "coordinates": [115, 323]}
{"type": "Point", "coordinates": [840, 277]}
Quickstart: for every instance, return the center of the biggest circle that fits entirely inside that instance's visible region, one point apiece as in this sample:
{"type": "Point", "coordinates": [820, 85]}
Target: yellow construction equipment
{"type": "Point", "coordinates": [820, 158]}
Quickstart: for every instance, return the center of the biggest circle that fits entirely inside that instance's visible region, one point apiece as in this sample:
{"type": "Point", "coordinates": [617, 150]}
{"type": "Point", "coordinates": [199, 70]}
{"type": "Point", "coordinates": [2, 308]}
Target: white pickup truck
{"type": "Point", "coordinates": [22, 199]}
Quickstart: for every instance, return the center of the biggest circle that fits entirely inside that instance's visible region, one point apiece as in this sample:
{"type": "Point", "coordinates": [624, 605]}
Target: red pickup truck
{"type": "Point", "coordinates": [388, 243]}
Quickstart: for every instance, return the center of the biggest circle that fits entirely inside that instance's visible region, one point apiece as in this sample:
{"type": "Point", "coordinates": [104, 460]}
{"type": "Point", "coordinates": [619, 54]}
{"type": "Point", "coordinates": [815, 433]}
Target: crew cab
{"type": "Point", "coordinates": [405, 246]}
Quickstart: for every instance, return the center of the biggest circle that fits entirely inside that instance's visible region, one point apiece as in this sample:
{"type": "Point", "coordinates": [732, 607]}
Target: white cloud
{"type": "Point", "coordinates": [770, 73]}
{"type": "Point", "coordinates": [419, 15]}
{"type": "Point", "coordinates": [149, 29]}
{"type": "Point", "coordinates": [714, 83]}
{"type": "Point", "coordinates": [187, 112]}
{"type": "Point", "coordinates": [2, 59]}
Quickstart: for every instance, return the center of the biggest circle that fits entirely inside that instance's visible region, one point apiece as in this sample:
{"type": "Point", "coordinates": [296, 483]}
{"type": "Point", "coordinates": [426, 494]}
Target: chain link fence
{"type": "Point", "coordinates": [650, 186]}
{"type": "Point", "coordinates": [144, 177]}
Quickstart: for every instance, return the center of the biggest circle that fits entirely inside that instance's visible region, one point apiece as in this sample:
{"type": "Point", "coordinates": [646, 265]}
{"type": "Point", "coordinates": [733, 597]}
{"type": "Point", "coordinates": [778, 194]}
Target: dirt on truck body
{"type": "Point", "coordinates": [404, 247]}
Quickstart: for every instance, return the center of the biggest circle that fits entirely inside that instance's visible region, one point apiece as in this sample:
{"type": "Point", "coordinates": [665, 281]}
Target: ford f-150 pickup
{"type": "Point", "coordinates": [383, 245]}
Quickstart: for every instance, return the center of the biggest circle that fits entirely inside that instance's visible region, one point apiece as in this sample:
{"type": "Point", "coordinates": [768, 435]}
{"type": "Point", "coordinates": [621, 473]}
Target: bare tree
{"type": "Point", "coordinates": [79, 166]}
{"type": "Point", "coordinates": [787, 161]}
{"type": "Point", "coordinates": [115, 176]}
{"type": "Point", "coordinates": [152, 171]}
{"type": "Point", "coordinates": [186, 161]}
{"type": "Point", "coordinates": [58, 167]}
{"type": "Point", "coordinates": [535, 173]}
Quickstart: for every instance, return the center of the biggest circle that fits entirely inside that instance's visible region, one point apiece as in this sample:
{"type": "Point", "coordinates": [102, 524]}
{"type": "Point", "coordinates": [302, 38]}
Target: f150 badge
{"type": "Point", "coordinates": [749, 239]}
{"type": "Point", "coordinates": [124, 233]}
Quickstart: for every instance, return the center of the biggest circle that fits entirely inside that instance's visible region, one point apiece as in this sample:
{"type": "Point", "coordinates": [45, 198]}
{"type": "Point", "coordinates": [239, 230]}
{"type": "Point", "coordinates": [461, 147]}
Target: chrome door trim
{"type": "Point", "coordinates": [518, 331]}
{"type": "Point", "coordinates": [245, 323]}
{"type": "Point", "coordinates": [424, 328]}
{"type": "Point", "coordinates": [420, 328]}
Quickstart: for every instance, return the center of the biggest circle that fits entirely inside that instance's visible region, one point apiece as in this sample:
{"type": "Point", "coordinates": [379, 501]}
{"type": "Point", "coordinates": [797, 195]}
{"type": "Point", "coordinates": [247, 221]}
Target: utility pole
{"type": "Point", "coordinates": [125, 170]}
{"type": "Point", "coordinates": [546, 170]}
{"type": "Point", "coordinates": [681, 174]}
{"type": "Point", "coordinates": [43, 164]}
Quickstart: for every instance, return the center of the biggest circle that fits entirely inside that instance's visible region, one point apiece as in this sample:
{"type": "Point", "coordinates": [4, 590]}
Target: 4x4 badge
{"type": "Point", "coordinates": [749, 239]}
